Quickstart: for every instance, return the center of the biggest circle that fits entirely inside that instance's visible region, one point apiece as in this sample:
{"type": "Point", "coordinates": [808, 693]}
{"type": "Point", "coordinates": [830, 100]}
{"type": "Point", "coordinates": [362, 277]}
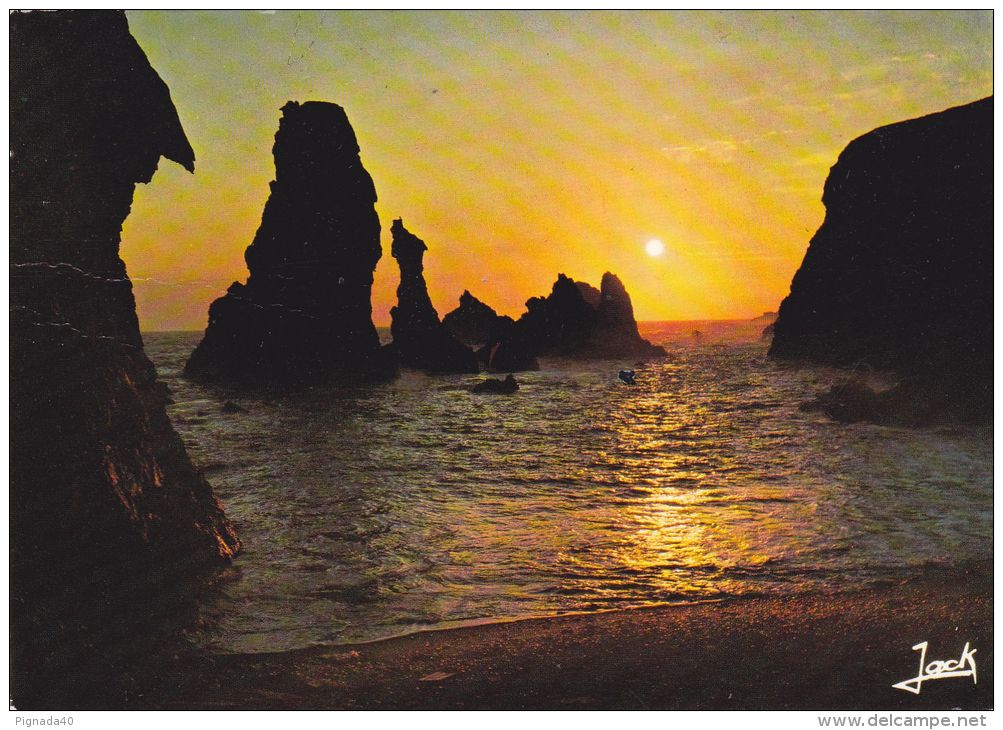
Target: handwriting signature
{"type": "Point", "coordinates": [940, 669]}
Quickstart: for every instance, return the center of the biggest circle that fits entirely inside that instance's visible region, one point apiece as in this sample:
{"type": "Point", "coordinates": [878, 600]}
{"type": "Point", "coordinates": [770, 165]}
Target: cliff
{"type": "Point", "coordinates": [899, 275]}
{"type": "Point", "coordinates": [567, 324]}
{"type": "Point", "coordinates": [304, 313]}
{"type": "Point", "coordinates": [419, 338]}
{"type": "Point", "coordinates": [107, 511]}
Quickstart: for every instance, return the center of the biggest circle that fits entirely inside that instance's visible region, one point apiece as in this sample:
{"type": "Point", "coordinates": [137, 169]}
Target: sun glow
{"type": "Point", "coordinates": [523, 144]}
{"type": "Point", "coordinates": [654, 247]}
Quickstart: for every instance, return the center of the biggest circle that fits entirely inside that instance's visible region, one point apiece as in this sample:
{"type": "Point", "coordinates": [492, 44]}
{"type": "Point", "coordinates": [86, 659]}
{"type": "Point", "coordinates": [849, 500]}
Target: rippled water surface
{"type": "Point", "coordinates": [376, 511]}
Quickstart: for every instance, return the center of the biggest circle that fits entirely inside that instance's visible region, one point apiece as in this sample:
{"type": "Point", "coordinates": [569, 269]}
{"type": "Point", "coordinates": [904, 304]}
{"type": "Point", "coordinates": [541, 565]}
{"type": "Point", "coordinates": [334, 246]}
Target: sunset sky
{"type": "Point", "coordinates": [523, 144]}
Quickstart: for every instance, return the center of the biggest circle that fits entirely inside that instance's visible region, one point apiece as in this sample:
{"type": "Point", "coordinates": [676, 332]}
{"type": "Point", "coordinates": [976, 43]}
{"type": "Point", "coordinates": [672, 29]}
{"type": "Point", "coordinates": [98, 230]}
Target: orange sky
{"type": "Point", "coordinates": [523, 144]}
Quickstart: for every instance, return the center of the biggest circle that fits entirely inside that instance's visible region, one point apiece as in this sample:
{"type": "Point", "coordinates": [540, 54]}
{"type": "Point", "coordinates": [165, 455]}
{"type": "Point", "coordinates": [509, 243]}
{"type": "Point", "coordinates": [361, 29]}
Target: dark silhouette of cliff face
{"type": "Point", "coordinates": [566, 324]}
{"type": "Point", "coordinates": [474, 322]}
{"type": "Point", "coordinates": [107, 511]}
{"type": "Point", "coordinates": [304, 313]}
{"type": "Point", "coordinates": [899, 276]}
{"type": "Point", "coordinates": [419, 338]}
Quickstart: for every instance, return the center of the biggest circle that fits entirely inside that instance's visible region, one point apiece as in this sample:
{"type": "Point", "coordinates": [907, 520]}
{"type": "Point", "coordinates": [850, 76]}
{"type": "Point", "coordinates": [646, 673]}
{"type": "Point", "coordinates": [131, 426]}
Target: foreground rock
{"type": "Point", "coordinates": [566, 324]}
{"type": "Point", "coordinates": [474, 322]}
{"type": "Point", "coordinates": [108, 516]}
{"type": "Point", "coordinates": [305, 312]}
{"type": "Point", "coordinates": [420, 339]}
{"type": "Point", "coordinates": [899, 276]}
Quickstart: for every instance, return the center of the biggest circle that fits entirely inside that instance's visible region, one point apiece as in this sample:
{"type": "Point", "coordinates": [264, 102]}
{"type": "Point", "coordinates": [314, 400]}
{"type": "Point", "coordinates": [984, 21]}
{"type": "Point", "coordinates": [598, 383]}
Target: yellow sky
{"type": "Point", "coordinates": [523, 144]}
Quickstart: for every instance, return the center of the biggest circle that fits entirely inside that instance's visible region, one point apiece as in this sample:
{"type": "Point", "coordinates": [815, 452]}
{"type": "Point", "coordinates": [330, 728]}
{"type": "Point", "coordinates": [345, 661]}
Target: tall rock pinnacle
{"type": "Point", "coordinates": [420, 339]}
{"type": "Point", "coordinates": [305, 311]}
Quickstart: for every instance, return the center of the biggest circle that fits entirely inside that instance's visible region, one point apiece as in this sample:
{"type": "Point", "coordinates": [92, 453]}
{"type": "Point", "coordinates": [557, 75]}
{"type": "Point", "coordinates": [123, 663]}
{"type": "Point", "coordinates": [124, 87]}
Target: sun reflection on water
{"type": "Point", "coordinates": [372, 512]}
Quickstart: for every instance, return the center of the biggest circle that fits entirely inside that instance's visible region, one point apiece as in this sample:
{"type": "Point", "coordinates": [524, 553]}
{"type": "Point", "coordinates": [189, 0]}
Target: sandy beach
{"type": "Point", "coordinates": [823, 652]}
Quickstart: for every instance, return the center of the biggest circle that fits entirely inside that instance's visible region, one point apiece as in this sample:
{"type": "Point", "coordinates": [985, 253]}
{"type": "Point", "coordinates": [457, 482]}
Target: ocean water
{"type": "Point", "coordinates": [377, 511]}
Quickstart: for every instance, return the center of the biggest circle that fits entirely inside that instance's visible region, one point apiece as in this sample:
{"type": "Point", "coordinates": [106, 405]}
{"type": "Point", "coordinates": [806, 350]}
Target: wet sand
{"type": "Point", "coordinates": [812, 651]}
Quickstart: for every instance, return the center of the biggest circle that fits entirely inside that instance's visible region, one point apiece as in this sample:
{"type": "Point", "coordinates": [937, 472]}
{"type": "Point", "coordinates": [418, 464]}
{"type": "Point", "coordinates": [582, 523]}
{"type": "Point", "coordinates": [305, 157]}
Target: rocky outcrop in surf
{"type": "Point", "coordinates": [493, 386]}
{"type": "Point", "coordinates": [566, 324]}
{"type": "Point", "coordinates": [108, 515]}
{"type": "Point", "coordinates": [899, 276]}
{"type": "Point", "coordinates": [305, 311]}
{"type": "Point", "coordinates": [419, 338]}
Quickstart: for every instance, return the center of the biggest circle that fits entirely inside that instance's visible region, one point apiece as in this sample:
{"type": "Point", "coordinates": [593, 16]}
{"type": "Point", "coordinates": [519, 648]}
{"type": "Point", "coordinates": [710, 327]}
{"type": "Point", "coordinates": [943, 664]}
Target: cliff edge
{"type": "Point", "coordinates": [899, 275]}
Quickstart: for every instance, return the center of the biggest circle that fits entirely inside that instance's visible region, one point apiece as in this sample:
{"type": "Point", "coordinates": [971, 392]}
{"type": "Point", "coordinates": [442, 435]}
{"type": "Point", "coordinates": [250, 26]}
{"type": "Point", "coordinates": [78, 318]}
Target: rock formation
{"type": "Point", "coordinates": [616, 334]}
{"type": "Point", "coordinates": [918, 400]}
{"type": "Point", "coordinates": [420, 339]}
{"type": "Point", "coordinates": [305, 312]}
{"type": "Point", "coordinates": [899, 275]}
{"type": "Point", "coordinates": [566, 324]}
{"type": "Point", "coordinates": [474, 322]}
{"type": "Point", "coordinates": [108, 515]}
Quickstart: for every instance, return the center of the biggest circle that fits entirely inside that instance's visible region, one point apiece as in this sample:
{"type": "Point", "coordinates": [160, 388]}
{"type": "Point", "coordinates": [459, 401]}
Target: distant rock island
{"type": "Point", "coordinates": [571, 322]}
{"type": "Point", "coordinates": [770, 318]}
{"type": "Point", "coordinates": [108, 515]}
{"type": "Point", "coordinates": [419, 338]}
{"type": "Point", "coordinates": [899, 276]}
{"type": "Point", "coordinates": [305, 311]}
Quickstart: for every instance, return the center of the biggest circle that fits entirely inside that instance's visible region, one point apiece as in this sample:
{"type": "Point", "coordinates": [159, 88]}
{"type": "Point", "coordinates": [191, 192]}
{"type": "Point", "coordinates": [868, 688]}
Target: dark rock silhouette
{"type": "Point", "coordinates": [768, 330]}
{"type": "Point", "coordinates": [493, 386]}
{"type": "Point", "coordinates": [899, 276]}
{"type": "Point", "coordinates": [511, 351]}
{"type": "Point", "coordinates": [848, 402]}
{"type": "Point", "coordinates": [558, 324]}
{"type": "Point", "coordinates": [304, 313]}
{"type": "Point", "coordinates": [627, 377]}
{"type": "Point", "coordinates": [565, 324]}
{"type": "Point", "coordinates": [109, 519]}
{"type": "Point", "coordinates": [420, 340]}
{"type": "Point", "coordinates": [915, 401]}
{"type": "Point", "coordinates": [616, 334]}
{"type": "Point", "coordinates": [474, 322]}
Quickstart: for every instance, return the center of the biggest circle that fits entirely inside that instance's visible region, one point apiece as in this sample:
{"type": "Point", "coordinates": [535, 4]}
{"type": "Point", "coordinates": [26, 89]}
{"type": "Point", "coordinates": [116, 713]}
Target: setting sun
{"type": "Point", "coordinates": [654, 247]}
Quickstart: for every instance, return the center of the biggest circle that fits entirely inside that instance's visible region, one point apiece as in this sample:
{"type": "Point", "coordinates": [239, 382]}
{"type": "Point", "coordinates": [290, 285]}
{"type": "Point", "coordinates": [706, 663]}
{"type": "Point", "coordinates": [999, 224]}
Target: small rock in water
{"type": "Point", "coordinates": [231, 407]}
{"type": "Point", "coordinates": [627, 376]}
{"type": "Point", "coordinates": [500, 387]}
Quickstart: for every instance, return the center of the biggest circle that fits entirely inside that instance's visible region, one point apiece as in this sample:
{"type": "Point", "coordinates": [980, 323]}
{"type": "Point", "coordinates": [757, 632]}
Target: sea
{"type": "Point", "coordinates": [376, 511]}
